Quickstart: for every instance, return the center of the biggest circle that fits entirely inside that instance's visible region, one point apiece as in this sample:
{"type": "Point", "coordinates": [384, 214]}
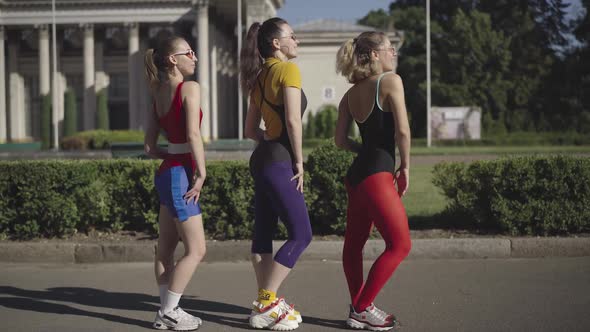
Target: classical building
{"type": "Point", "coordinates": [319, 43]}
{"type": "Point", "coordinates": [100, 47]}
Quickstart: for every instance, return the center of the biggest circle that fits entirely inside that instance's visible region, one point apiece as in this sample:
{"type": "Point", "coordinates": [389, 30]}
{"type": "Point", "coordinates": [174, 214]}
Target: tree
{"type": "Point", "coordinates": [70, 113]}
{"type": "Point", "coordinates": [45, 122]}
{"type": "Point", "coordinates": [473, 64]}
{"type": "Point", "coordinates": [102, 112]}
{"type": "Point", "coordinates": [310, 131]}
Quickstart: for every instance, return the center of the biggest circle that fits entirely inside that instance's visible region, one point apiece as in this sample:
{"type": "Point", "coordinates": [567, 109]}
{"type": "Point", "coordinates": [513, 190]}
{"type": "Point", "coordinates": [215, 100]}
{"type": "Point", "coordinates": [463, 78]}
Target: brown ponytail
{"type": "Point", "coordinates": [257, 47]}
{"type": "Point", "coordinates": [250, 59]}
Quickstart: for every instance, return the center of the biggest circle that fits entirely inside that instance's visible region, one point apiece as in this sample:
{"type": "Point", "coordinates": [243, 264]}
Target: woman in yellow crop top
{"type": "Point", "coordinates": [274, 86]}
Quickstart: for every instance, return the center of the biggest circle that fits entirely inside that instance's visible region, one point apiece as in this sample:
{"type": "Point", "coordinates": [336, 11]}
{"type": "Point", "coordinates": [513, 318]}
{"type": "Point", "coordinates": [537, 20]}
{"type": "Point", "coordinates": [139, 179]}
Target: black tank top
{"type": "Point", "coordinates": [278, 149]}
{"type": "Point", "coordinates": [377, 153]}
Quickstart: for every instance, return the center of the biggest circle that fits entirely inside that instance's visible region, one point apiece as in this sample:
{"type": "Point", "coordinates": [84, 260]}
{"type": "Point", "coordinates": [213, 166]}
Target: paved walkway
{"type": "Point", "coordinates": [483, 295]}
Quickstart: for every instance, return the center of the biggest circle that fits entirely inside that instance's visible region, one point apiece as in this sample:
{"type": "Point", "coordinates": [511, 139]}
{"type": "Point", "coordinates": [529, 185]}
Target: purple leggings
{"type": "Point", "coordinates": [276, 196]}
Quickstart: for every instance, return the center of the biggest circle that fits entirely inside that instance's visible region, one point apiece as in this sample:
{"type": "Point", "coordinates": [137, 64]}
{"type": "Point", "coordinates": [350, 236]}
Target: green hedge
{"type": "Point", "coordinates": [100, 139]}
{"type": "Point", "coordinates": [531, 195]}
{"type": "Point", "coordinates": [519, 196]}
{"type": "Point", "coordinates": [326, 195]}
{"type": "Point", "coordinates": [59, 198]}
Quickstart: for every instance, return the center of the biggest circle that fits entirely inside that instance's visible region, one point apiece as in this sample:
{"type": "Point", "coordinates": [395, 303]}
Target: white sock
{"type": "Point", "coordinates": [163, 292]}
{"type": "Point", "coordinates": [171, 302]}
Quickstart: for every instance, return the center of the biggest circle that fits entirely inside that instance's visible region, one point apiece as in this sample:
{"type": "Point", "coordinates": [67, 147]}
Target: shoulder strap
{"type": "Point", "coordinates": [262, 85]}
{"type": "Point", "coordinates": [377, 90]}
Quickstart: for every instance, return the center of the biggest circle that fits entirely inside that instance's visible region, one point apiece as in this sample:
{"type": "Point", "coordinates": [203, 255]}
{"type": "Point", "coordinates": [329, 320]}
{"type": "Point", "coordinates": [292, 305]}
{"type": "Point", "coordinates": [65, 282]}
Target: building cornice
{"type": "Point", "coordinates": [105, 11]}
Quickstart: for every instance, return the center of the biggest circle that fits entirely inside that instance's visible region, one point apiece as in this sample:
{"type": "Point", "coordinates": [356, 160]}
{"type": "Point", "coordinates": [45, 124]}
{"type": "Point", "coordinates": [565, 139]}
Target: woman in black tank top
{"type": "Point", "coordinates": [376, 104]}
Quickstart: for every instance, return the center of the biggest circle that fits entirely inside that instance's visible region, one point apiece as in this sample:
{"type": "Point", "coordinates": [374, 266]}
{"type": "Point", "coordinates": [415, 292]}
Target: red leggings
{"type": "Point", "coordinates": [373, 201]}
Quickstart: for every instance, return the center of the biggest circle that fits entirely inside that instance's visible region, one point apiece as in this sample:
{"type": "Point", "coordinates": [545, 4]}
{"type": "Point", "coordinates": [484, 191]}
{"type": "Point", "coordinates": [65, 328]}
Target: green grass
{"type": "Point", "coordinates": [423, 199]}
{"type": "Point", "coordinates": [447, 150]}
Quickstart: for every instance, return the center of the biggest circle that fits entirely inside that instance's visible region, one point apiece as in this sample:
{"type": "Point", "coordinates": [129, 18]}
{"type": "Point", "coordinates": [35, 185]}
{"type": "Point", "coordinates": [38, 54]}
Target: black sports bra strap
{"type": "Point", "coordinates": [261, 86]}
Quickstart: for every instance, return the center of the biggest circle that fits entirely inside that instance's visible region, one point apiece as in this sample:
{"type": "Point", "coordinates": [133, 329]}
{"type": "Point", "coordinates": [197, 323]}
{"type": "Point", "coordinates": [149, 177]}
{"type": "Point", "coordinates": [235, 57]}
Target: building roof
{"type": "Point", "coordinates": [331, 25]}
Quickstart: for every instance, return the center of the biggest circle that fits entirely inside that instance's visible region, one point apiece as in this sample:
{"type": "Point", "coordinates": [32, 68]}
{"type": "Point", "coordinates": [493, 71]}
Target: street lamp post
{"type": "Point", "coordinates": [240, 96]}
{"type": "Point", "coordinates": [428, 101]}
{"type": "Point", "coordinates": [54, 85]}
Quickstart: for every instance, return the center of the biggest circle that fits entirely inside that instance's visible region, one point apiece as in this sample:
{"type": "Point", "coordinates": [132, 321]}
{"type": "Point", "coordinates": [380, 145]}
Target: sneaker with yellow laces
{"type": "Point", "coordinates": [291, 309]}
{"type": "Point", "coordinates": [275, 316]}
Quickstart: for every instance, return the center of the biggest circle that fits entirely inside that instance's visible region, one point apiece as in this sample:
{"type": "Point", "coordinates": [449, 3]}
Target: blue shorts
{"type": "Point", "coordinates": [171, 184]}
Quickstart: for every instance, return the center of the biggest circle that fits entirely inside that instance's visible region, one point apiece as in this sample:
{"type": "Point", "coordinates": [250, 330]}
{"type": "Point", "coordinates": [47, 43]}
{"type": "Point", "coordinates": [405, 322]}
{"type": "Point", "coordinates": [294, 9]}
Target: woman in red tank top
{"type": "Point", "coordinates": [176, 113]}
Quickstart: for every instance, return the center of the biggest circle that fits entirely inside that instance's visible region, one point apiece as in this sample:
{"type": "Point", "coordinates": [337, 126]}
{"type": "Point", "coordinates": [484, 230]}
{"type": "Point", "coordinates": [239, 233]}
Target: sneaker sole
{"type": "Point", "coordinates": [355, 324]}
{"type": "Point", "coordinates": [263, 324]}
{"type": "Point", "coordinates": [161, 326]}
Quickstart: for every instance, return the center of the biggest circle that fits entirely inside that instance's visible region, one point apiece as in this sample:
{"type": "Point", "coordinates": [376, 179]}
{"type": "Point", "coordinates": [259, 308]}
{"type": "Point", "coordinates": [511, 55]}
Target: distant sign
{"type": "Point", "coordinates": [328, 93]}
{"type": "Point", "coordinates": [455, 122]}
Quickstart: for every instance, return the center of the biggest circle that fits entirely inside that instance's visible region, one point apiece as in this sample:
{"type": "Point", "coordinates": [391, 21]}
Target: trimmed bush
{"type": "Point", "coordinates": [70, 113]}
{"type": "Point", "coordinates": [325, 194]}
{"type": "Point", "coordinates": [102, 110]}
{"type": "Point", "coordinates": [519, 196]}
{"type": "Point", "coordinates": [46, 122]}
{"type": "Point", "coordinates": [322, 124]}
{"type": "Point", "coordinates": [310, 131]}
{"type": "Point", "coordinates": [59, 198]}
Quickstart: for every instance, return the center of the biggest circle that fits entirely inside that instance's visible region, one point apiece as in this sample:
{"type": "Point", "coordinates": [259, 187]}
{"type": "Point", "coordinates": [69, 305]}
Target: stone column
{"type": "Point", "coordinates": [89, 78]}
{"type": "Point", "coordinates": [143, 89]}
{"type": "Point", "coordinates": [44, 57]}
{"type": "Point", "coordinates": [3, 129]}
{"type": "Point", "coordinates": [16, 88]}
{"type": "Point", "coordinates": [202, 22]}
{"type": "Point", "coordinates": [134, 120]}
{"type": "Point", "coordinates": [214, 109]}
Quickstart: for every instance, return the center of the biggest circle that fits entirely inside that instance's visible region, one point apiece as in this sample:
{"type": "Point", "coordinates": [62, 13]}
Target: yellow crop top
{"type": "Point", "coordinates": [282, 74]}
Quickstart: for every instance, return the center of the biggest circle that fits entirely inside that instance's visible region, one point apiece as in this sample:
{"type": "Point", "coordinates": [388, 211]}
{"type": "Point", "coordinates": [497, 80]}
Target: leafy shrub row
{"type": "Point", "coordinates": [519, 196]}
{"type": "Point", "coordinates": [524, 195]}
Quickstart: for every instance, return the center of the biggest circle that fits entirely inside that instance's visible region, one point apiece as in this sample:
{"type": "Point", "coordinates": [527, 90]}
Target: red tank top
{"type": "Point", "coordinates": [173, 123]}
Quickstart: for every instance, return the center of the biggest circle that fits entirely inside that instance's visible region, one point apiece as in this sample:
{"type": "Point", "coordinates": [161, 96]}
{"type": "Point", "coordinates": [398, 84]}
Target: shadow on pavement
{"type": "Point", "coordinates": [36, 300]}
{"type": "Point", "coordinates": [208, 311]}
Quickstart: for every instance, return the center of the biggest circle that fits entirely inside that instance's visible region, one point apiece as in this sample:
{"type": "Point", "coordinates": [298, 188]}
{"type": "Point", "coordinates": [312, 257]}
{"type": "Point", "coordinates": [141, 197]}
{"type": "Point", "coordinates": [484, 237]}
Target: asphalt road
{"type": "Point", "coordinates": [426, 295]}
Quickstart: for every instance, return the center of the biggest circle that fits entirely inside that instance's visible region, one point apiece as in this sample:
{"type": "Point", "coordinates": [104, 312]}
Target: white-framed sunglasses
{"type": "Point", "coordinates": [189, 53]}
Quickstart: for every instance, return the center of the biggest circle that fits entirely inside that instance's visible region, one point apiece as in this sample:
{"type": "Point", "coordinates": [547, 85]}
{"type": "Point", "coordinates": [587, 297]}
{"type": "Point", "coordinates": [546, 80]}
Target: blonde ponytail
{"type": "Point", "coordinates": [353, 59]}
{"type": "Point", "coordinates": [151, 71]}
{"type": "Point", "coordinates": [345, 59]}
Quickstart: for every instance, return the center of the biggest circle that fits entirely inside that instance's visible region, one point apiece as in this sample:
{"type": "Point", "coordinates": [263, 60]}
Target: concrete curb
{"type": "Point", "coordinates": [228, 251]}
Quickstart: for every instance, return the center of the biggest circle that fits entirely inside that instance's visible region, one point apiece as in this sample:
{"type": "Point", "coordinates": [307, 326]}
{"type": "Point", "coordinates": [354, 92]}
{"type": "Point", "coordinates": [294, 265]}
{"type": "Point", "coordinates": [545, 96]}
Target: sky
{"type": "Point", "coordinates": [301, 11]}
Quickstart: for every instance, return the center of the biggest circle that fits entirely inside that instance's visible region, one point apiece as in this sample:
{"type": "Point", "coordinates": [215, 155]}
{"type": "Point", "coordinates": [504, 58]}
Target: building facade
{"type": "Point", "coordinates": [100, 46]}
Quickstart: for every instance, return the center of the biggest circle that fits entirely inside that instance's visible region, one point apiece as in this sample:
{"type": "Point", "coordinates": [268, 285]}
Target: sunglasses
{"type": "Point", "coordinates": [291, 36]}
{"type": "Point", "coordinates": [388, 49]}
{"type": "Point", "coordinates": [189, 53]}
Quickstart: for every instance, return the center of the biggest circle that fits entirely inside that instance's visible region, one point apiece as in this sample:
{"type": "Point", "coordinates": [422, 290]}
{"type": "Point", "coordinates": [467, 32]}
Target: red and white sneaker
{"type": "Point", "coordinates": [274, 316]}
{"type": "Point", "coordinates": [371, 319]}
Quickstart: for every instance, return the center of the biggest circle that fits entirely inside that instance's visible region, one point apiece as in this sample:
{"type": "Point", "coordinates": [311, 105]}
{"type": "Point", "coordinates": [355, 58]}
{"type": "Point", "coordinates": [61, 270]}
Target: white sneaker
{"type": "Point", "coordinates": [273, 317]}
{"type": "Point", "coordinates": [371, 319]}
{"type": "Point", "coordinates": [176, 320]}
{"type": "Point", "coordinates": [291, 309]}
{"type": "Point", "coordinates": [389, 316]}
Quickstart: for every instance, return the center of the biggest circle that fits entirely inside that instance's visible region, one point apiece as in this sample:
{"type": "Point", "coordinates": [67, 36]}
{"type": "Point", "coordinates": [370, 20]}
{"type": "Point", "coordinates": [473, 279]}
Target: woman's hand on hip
{"type": "Point", "coordinates": [298, 176]}
{"type": "Point", "coordinates": [195, 192]}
